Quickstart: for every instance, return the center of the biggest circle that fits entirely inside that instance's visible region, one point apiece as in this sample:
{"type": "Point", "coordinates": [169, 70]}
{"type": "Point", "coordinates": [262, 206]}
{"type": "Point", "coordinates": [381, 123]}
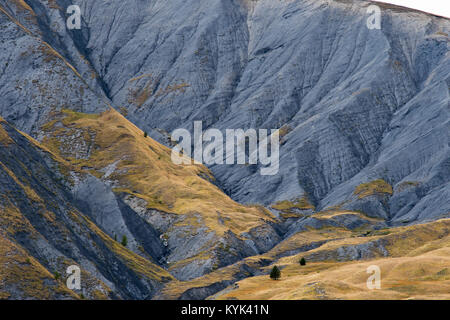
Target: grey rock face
{"type": "Point", "coordinates": [117, 219]}
{"type": "Point", "coordinates": [35, 79]}
{"type": "Point", "coordinates": [363, 251]}
{"type": "Point", "coordinates": [346, 221]}
{"type": "Point", "coordinates": [356, 104]}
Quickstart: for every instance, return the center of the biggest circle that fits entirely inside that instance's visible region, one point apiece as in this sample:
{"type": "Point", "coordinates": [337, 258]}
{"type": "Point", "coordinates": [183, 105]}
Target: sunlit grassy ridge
{"type": "Point", "coordinates": [398, 242]}
{"type": "Point", "coordinates": [143, 168]}
{"type": "Point", "coordinates": [174, 289]}
{"type": "Point", "coordinates": [315, 237]}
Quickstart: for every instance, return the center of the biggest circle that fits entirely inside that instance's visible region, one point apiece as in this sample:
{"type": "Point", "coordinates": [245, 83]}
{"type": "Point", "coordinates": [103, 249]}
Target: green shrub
{"type": "Point", "coordinates": [124, 241]}
{"type": "Point", "coordinates": [302, 261]}
{"type": "Point", "coordinates": [275, 274]}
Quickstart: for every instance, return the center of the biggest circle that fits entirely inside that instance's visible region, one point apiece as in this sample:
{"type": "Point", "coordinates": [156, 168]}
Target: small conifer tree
{"type": "Point", "coordinates": [124, 241]}
{"type": "Point", "coordinates": [57, 275]}
{"type": "Point", "coordinates": [275, 274]}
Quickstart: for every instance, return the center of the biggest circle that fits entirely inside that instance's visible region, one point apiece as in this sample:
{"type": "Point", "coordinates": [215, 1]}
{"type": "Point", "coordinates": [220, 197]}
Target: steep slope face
{"type": "Point", "coordinates": [36, 79]}
{"type": "Point", "coordinates": [113, 184]}
{"type": "Point", "coordinates": [42, 226]}
{"type": "Point", "coordinates": [355, 105]}
{"type": "Point", "coordinates": [172, 215]}
{"type": "Point", "coordinates": [135, 184]}
{"type": "Point", "coordinates": [24, 278]}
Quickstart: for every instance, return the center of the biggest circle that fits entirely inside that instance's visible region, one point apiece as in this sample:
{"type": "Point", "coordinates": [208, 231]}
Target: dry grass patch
{"type": "Point", "coordinates": [374, 187]}
{"type": "Point", "coordinates": [287, 206]}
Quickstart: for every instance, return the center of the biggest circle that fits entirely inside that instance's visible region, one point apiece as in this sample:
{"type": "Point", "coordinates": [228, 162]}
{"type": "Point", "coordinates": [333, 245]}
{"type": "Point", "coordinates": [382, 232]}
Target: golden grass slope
{"type": "Point", "coordinates": [143, 168]}
{"type": "Point", "coordinates": [422, 277]}
{"type": "Point", "coordinates": [418, 268]}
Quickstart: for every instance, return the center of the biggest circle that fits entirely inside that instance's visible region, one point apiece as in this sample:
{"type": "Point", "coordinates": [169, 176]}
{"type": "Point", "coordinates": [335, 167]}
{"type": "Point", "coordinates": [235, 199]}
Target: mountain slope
{"type": "Point", "coordinates": [415, 269]}
{"type": "Point", "coordinates": [354, 104]}
{"type": "Point", "coordinates": [192, 216]}
{"type": "Point", "coordinates": [364, 122]}
{"type": "Point", "coordinates": [41, 225]}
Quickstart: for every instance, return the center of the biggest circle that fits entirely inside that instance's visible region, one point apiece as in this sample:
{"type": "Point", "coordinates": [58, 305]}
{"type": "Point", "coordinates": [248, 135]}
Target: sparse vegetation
{"type": "Point", "coordinates": [283, 131]}
{"type": "Point", "coordinates": [181, 87]}
{"type": "Point", "coordinates": [5, 139]}
{"type": "Point", "coordinates": [374, 187]}
{"type": "Point", "coordinates": [441, 33]}
{"type": "Point", "coordinates": [31, 280]}
{"type": "Point", "coordinates": [290, 206]}
{"type": "Point", "coordinates": [302, 261]}
{"type": "Point", "coordinates": [406, 184]}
